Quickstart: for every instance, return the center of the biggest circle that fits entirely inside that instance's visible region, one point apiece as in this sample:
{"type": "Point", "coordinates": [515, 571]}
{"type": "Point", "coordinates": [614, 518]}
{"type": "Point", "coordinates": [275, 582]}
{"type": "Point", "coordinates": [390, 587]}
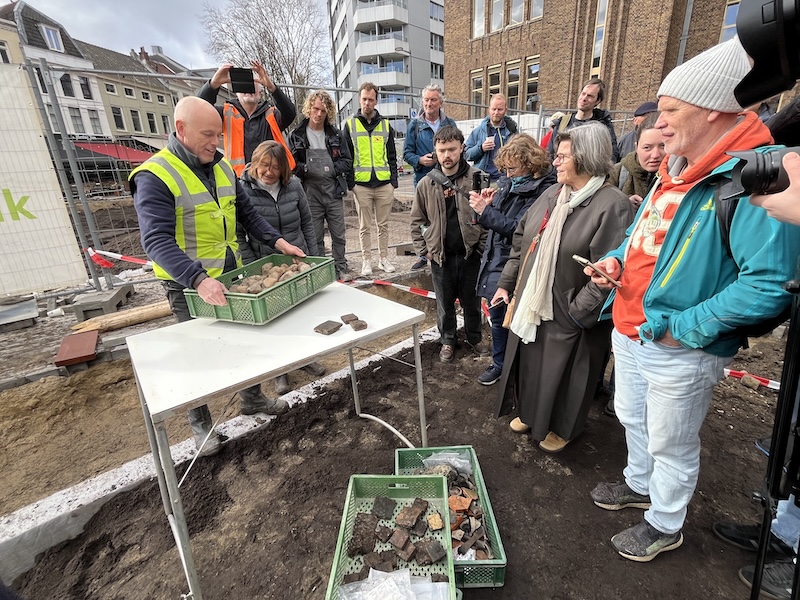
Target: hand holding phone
{"type": "Point", "coordinates": [587, 263]}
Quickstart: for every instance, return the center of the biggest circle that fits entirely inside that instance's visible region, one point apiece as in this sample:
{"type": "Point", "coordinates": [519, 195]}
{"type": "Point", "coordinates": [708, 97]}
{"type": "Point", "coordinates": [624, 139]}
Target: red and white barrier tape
{"type": "Point", "coordinates": [413, 290]}
{"type": "Point", "coordinates": [97, 257]}
{"type": "Point", "coordinates": [768, 383]}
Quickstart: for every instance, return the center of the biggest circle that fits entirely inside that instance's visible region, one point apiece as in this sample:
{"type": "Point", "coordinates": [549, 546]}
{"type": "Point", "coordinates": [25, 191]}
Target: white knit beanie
{"type": "Point", "coordinates": [708, 79]}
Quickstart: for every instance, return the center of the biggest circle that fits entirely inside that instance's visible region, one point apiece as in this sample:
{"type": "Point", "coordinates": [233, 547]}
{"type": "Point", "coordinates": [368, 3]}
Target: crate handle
{"type": "Point", "coordinates": [398, 486]}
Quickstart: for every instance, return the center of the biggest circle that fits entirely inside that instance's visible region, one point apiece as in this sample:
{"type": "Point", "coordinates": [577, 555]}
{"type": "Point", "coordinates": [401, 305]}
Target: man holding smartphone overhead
{"type": "Point", "coordinates": [685, 292]}
{"type": "Point", "coordinates": [249, 120]}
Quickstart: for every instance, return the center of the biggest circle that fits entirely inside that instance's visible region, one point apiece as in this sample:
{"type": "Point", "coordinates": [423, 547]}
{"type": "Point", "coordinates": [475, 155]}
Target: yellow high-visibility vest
{"type": "Point", "coordinates": [204, 228]}
{"type": "Point", "coordinates": [370, 150]}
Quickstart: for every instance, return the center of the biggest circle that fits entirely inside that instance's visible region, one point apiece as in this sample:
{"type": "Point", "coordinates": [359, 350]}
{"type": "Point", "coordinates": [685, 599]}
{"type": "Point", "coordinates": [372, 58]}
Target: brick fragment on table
{"type": "Point", "coordinates": [358, 325]}
{"type": "Point", "coordinates": [328, 327]}
{"type": "Point", "coordinates": [348, 317]}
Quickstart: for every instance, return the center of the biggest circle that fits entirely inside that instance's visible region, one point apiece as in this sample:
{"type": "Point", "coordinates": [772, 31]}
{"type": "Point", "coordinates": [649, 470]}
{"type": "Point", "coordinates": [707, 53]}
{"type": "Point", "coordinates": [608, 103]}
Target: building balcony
{"type": "Point", "coordinates": [392, 110]}
{"type": "Point", "coordinates": [386, 12]}
{"type": "Point", "coordinates": [385, 78]}
{"type": "Point", "coordinates": [372, 46]}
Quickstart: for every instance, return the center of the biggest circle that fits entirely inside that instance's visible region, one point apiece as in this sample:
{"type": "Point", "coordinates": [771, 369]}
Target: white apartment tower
{"type": "Point", "coordinates": [396, 44]}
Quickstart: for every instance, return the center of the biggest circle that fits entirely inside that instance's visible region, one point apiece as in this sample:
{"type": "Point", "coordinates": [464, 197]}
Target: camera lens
{"type": "Point", "coordinates": [761, 172]}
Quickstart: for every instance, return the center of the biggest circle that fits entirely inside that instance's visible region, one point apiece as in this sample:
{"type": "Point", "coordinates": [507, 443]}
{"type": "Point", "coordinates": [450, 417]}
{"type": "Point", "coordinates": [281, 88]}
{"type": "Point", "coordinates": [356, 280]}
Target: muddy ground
{"type": "Point", "coordinates": [264, 514]}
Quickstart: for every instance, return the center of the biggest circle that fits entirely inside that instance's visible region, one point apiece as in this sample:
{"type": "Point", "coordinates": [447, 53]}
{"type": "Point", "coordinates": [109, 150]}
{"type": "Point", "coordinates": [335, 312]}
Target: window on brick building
{"type": "Point", "coordinates": [599, 38]}
{"type": "Point", "coordinates": [136, 120]}
{"type": "Point", "coordinates": [86, 89]}
{"type": "Point", "coordinates": [729, 21]}
{"type": "Point", "coordinates": [497, 15]}
{"type": "Point", "coordinates": [476, 95]}
{"type": "Point", "coordinates": [512, 85]}
{"type": "Point", "coordinates": [478, 18]}
{"type": "Point", "coordinates": [494, 80]}
{"type": "Point", "coordinates": [517, 14]}
{"type": "Point", "coordinates": [537, 9]}
{"type": "Point", "coordinates": [165, 124]}
{"type": "Point", "coordinates": [532, 83]}
{"type": "Point", "coordinates": [151, 122]}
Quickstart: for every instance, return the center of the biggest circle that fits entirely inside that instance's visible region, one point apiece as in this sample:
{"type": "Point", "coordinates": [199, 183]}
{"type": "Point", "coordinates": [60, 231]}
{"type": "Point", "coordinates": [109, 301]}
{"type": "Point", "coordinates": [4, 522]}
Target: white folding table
{"type": "Point", "coordinates": [184, 365]}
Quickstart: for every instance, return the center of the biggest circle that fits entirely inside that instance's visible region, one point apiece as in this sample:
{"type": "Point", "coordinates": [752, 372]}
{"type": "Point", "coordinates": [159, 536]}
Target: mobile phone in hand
{"type": "Point", "coordinates": [587, 263]}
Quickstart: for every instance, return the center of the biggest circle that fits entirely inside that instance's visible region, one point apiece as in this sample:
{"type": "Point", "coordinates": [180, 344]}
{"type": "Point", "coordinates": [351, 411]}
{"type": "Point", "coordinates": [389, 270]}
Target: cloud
{"type": "Point", "coordinates": [124, 26]}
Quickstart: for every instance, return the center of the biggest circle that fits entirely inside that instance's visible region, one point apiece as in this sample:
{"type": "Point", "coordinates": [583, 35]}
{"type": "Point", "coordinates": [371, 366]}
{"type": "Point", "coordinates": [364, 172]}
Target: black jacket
{"type": "Point", "coordinates": [501, 219]}
{"type": "Point", "coordinates": [256, 128]}
{"type": "Point", "coordinates": [338, 151]}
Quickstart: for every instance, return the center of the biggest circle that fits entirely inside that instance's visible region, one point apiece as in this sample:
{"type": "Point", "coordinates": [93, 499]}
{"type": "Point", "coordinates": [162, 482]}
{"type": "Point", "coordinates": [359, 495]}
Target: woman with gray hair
{"type": "Point", "coordinates": [556, 345]}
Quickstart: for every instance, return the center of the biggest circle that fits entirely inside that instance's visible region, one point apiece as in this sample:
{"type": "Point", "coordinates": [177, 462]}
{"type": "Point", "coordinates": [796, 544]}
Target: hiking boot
{"type": "Point", "coordinates": [553, 443]}
{"type": "Point", "coordinates": [517, 426]}
{"type": "Point", "coordinates": [282, 385]}
{"type": "Point", "coordinates": [490, 376]}
{"type": "Point", "coordinates": [385, 265]}
{"type": "Point", "coordinates": [366, 268]}
{"type": "Point", "coordinates": [616, 496]}
{"type": "Point", "coordinates": [207, 447]}
{"type": "Point", "coordinates": [447, 352]}
{"type": "Point", "coordinates": [747, 537]}
{"type": "Point", "coordinates": [262, 404]}
{"type": "Point", "coordinates": [481, 348]}
{"type": "Point", "coordinates": [420, 264]}
{"type": "Point", "coordinates": [776, 582]}
{"type": "Point", "coordinates": [643, 542]}
{"type": "Point", "coordinates": [315, 369]}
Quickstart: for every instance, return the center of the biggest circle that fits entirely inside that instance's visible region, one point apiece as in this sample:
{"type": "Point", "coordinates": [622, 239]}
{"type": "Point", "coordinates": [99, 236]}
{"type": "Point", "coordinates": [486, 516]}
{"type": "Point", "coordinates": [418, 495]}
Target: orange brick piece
{"type": "Point", "coordinates": [77, 348]}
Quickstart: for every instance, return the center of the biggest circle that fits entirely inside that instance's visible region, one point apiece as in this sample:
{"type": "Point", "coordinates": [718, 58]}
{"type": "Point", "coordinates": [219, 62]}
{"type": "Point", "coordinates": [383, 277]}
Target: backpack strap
{"type": "Point", "coordinates": [564, 122]}
{"type": "Point", "coordinates": [726, 199]}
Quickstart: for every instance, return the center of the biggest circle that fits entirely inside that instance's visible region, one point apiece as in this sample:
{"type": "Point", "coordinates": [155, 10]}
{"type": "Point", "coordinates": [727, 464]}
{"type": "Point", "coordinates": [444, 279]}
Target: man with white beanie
{"type": "Point", "coordinates": [685, 291]}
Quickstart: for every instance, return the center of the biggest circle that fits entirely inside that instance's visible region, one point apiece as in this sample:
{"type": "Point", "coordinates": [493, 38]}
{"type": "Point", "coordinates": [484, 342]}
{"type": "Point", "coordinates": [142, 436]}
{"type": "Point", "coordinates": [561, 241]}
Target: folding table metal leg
{"type": "Point", "coordinates": [176, 516]}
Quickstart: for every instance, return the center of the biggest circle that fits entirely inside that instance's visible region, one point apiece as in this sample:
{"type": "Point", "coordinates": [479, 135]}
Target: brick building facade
{"type": "Point", "coordinates": [541, 52]}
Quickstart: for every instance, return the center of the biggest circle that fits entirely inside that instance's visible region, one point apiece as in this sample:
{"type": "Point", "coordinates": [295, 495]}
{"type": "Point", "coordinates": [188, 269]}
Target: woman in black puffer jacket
{"type": "Point", "coordinates": [279, 197]}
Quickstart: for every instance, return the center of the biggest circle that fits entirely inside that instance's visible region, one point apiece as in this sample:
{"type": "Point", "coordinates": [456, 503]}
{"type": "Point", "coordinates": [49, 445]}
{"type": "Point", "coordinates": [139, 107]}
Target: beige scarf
{"type": "Point", "coordinates": [536, 303]}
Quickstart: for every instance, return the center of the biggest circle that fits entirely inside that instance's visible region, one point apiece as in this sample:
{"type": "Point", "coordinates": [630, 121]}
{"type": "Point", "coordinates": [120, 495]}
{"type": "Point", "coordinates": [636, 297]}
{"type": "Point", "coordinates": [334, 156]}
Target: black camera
{"type": "Point", "coordinates": [761, 172]}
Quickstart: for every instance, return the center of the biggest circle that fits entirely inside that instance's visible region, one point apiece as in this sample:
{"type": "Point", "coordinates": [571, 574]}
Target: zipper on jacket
{"type": "Point", "coordinates": [680, 254]}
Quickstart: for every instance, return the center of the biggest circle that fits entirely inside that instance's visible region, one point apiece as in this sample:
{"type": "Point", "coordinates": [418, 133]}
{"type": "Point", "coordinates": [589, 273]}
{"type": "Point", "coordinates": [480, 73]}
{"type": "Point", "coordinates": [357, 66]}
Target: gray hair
{"type": "Point", "coordinates": [591, 148]}
{"type": "Point", "coordinates": [432, 87]}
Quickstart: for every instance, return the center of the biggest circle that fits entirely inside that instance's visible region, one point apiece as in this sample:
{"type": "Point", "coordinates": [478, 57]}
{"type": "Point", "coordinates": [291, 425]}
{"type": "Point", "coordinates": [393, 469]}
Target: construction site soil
{"type": "Point", "coordinates": [264, 514]}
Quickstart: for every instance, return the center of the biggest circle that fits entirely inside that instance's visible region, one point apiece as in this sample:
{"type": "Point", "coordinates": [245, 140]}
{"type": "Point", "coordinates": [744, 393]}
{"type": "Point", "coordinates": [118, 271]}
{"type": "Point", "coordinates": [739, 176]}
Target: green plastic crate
{"type": "Point", "coordinates": [361, 493]}
{"type": "Point", "coordinates": [469, 573]}
{"type": "Point", "coordinates": [257, 309]}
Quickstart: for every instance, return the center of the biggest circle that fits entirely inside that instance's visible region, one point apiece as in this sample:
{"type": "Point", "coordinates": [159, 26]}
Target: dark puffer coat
{"type": "Point", "coordinates": [289, 214]}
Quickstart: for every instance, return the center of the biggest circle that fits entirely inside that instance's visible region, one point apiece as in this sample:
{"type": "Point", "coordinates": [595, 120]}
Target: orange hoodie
{"type": "Point", "coordinates": [655, 217]}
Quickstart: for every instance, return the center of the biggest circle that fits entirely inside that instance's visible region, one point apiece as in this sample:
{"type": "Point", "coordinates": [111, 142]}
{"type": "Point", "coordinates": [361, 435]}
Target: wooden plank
{"type": "Point", "coordinates": [77, 348]}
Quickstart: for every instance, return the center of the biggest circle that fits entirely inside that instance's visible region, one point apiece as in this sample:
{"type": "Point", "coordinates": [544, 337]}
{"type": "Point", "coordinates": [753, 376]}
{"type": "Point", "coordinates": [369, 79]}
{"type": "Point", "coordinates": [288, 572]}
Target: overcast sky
{"type": "Point", "coordinates": [124, 26]}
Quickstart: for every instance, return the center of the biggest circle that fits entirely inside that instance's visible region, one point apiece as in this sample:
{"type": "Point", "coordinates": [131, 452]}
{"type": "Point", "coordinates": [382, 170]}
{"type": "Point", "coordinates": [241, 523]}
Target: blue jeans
{"type": "Point", "coordinates": [661, 398]}
{"type": "Point", "coordinates": [786, 524]}
{"type": "Point", "coordinates": [499, 333]}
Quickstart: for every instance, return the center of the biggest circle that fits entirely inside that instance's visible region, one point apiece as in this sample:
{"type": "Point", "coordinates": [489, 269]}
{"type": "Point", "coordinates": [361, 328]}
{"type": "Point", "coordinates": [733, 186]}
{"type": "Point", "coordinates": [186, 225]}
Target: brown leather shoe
{"type": "Point", "coordinates": [447, 352]}
{"type": "Point", "coordinates": [517, 426]}
{"type": "Point", "coordinates": [553, 443]}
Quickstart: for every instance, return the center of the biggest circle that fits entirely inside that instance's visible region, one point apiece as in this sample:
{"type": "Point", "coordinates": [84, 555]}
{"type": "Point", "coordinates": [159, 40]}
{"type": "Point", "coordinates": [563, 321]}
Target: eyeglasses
{"type": "Point", "coordinates": [513, 169]}
{"type": "Point", "coordinates": [562, 157]}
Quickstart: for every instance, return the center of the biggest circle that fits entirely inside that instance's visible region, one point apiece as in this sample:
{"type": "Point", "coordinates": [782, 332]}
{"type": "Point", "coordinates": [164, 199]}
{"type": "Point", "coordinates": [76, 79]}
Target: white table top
{"type": "Point", "coordinates": [181, 366]}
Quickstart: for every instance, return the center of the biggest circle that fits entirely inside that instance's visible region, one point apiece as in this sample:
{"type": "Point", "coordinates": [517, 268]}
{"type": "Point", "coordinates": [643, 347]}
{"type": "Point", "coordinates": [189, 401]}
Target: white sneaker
{"type": "Point", "coordinates": [366, 268]}
{"type": "Point", "coordinates": [386, 265]}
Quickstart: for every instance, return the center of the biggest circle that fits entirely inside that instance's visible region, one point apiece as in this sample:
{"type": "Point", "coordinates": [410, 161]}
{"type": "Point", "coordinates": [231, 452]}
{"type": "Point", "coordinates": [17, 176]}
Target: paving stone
{"type": "Point", "coordinates": [363, 539]}
{"type": "Point", "coordinates": [408, 552]}
{"type": "Point", "coordinates": [429, 551]}
{"type": "Point", "coordinates": [383, 507]}
{"type": "Point", "coordinates": [358, 325]}
{"type": "Point", "coordinates": [383, 533]}
{"type": "Point", "coordinates": [348, 317]}
{"type": "Point", "coordinates": [328, 327]}
{"type": "Point", "coordinates": [435, 522]}
{"type": "Point", "coordinates": [399, 538]}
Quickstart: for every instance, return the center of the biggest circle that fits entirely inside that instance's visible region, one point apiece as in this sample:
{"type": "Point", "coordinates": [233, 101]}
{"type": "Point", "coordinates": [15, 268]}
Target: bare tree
{"type": "Point", "coordinates": [289, 37]}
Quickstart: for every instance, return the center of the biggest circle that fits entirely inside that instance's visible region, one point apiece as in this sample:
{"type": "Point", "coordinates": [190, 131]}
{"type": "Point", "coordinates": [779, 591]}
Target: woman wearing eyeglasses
{"type": "Point", "coordinates": [556, 345]}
